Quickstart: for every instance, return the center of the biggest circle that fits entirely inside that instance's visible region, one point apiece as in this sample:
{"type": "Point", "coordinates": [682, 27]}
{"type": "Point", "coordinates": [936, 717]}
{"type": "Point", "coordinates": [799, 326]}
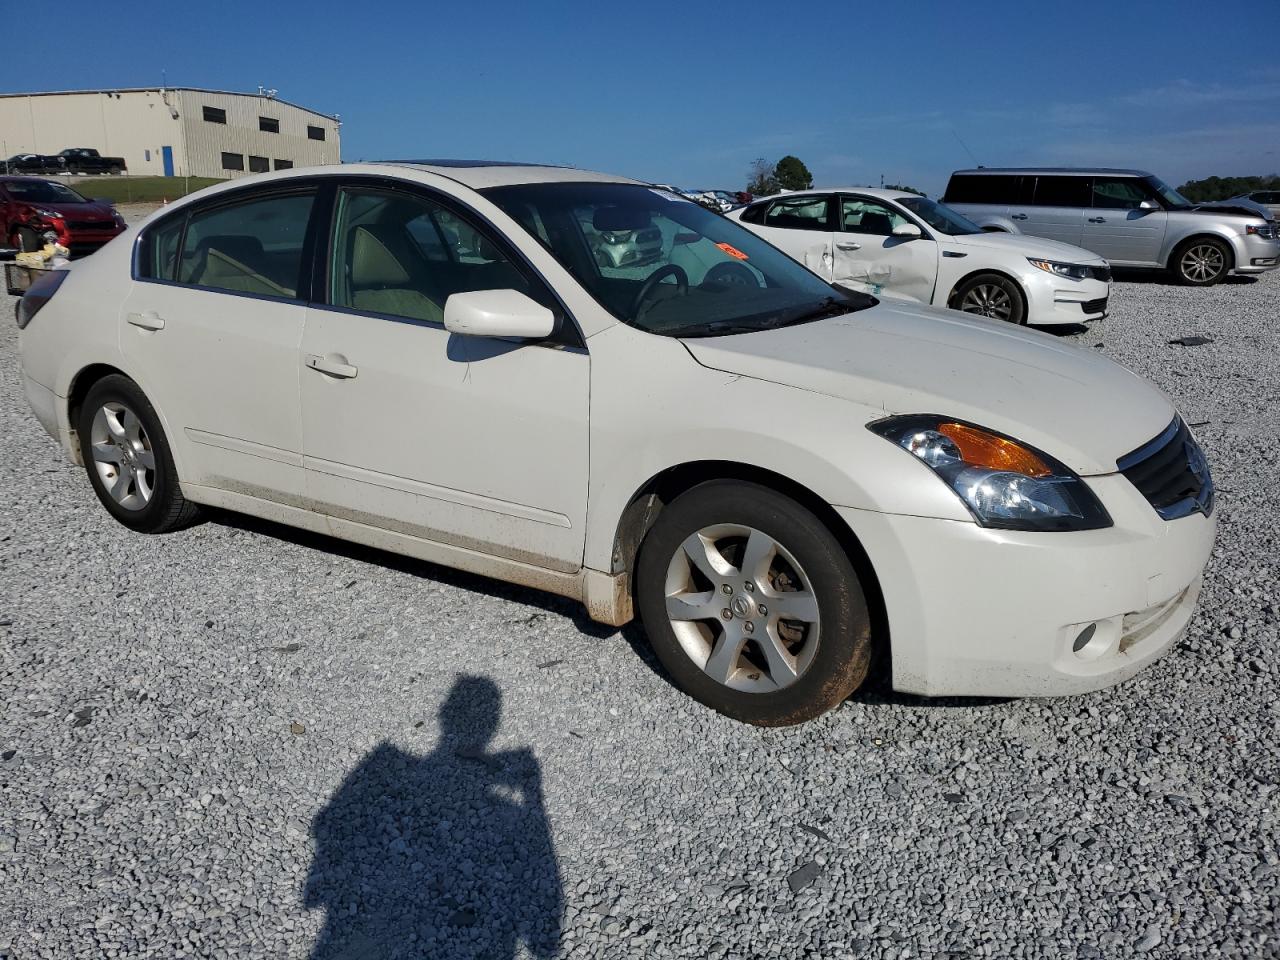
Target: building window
{"type": "Point", "coordinates": [268, 125]}
{"type": "Point", "coordinates": [259, 164]}
{"type": "Point", "coordinates": [315, 133]}
{"type": "Point", "coordinates": [284, 164]}
{"type": "Point", "coordinates": [215, 115]}
{"type": "Point", "coordinates": [148, 155]}
{"type": "Point", "coordinates": [233, 161]}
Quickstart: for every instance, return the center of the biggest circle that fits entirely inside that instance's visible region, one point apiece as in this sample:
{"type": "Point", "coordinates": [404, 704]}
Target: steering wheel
{"type": "Point", "coordinates": [655, 278]}
{"type": "Point", "coordinates": [731, 275]}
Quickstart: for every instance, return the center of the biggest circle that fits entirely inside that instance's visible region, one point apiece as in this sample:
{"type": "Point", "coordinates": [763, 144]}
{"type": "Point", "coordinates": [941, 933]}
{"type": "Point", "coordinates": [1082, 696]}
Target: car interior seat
{"type": "Point", "coordinates": [234, 262]}
{"type": "Point", "coordinates": [876, 223]}
{"type": "Point", "coordinates": [381, 277]}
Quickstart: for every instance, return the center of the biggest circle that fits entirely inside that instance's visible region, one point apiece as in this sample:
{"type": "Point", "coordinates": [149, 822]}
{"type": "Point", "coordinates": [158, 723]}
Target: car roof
{"type": "Point", "coordinates": [878, 192]}
{"type": "Point", "coordinates": [1066, 171]}
{"type": "Point", "coordinates": [479, 174]}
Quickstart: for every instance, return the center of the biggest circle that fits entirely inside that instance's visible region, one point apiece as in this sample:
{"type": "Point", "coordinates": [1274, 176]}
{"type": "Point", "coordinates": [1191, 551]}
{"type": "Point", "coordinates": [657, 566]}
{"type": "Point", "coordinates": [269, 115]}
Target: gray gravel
{"type": "Point", "coordinates": [238, 741]}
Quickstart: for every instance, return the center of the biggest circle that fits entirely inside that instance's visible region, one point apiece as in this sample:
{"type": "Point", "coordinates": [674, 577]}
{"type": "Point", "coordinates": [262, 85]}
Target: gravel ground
{"type": "Point", "coordinates": [242, 741]}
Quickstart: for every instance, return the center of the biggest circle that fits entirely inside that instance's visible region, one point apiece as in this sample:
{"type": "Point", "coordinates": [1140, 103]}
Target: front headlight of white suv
{"type": "Point", "coordinates": [1004, 483]}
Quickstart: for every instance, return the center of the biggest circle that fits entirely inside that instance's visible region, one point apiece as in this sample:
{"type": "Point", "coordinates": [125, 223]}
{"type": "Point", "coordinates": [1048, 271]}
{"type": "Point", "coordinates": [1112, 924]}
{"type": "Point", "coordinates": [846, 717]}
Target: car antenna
{"type": "Point", "coordinates": [966, 147]}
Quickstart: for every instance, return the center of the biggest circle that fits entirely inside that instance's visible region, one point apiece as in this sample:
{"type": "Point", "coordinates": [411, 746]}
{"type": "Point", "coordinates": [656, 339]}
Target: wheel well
{"type": "Point", "coordinates": [951, 297]}
{"type": "Point", "coordinates": [648, 502]}
{"type": "Point", "coordinates": [80, 387]}
{"type": "Point", "coordinates": [1183, 244]}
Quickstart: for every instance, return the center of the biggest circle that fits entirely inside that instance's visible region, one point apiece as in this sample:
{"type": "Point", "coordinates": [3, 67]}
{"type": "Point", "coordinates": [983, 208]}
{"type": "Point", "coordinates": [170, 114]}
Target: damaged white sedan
{"type": "Point", "coordinates": [902, 245]}
{"type": "Point", "coordinates": [597, 388]}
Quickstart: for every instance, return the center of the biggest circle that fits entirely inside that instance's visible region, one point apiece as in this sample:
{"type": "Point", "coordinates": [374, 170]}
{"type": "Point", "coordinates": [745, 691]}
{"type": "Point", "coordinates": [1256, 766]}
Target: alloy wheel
{"type": "Point", "coordinates": [122, 455]}
{"type": "Point", "coordinates": [742, 608]}
{"type": "Point", "coordinates": [1202, 262]}
{"type": "Point", "coordinates": [989, 300]}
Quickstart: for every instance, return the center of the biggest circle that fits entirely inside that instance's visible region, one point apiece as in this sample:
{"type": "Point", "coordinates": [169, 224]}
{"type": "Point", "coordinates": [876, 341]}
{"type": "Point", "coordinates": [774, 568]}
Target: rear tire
{"type": "Point", "coordinates": [127, 457]}
{"type": "Point", "coordinates": [991, 295]}
{"type": "Point", "coordinates": [797, 640]}
{"type": "Point", "coordinates": [1201, 262]}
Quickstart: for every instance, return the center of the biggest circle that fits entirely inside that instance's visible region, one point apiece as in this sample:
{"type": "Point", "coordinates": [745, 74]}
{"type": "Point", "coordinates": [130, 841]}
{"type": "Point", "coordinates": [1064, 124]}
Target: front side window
{"type": "Point", "coordinates": [250, 247]}
{"type": "Point", "coordinates": [666, 265]}
{"type": "Point", "coordinates": [1169, 196]}
{"type": "Point", "coordinates": [799, 213]}
{"type": "Point", "coordinates": [863, 215]}
{"type": "Point", "coordinates": [1117, 193]}
{"type": "Point", "coordinates": [215, 115]}
{"type": "Point", "coordinates": [939, 216]}
{"type": "Point", "coordinates": [404, 255]}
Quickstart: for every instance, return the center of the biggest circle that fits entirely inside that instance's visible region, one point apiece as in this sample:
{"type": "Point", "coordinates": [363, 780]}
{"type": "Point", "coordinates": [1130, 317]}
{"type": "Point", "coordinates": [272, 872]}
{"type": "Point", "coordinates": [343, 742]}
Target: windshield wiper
{"type": "Point", "coordinates": [828, 307]}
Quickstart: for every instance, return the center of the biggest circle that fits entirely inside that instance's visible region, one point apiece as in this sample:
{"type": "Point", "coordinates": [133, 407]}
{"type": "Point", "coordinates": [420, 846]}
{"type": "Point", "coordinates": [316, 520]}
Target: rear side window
{"type": "Point", "coordinates": [158, 251]}
{"type": "Point", "coordinates": [249, 247]}
{"type": "Point", "coordinates": [754, 213]}
{"type": "Point", "coordinates": [1118, 193]}
{"type": "Point", "coordinates": [1061, 192]}
{"type": "Point", "coordinates": [982, 188]}
{"type": "Point", "coordinates": [800, 213]}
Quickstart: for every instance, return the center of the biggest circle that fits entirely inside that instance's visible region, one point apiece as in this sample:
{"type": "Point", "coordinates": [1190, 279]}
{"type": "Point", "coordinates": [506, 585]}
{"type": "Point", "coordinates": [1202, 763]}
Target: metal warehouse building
{"type": "Point", "coordinates": [172, 131]}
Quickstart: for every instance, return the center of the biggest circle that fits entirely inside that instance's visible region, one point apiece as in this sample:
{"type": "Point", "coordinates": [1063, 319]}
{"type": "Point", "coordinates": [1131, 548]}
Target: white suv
{"type": "Point", "coordinates": [907, 246]}
{"type": "Point", "coordinates": [783, 478]}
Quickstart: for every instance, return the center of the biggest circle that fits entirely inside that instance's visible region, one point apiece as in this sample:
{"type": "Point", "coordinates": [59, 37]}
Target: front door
{"type": "Point", "coordinates": [868, 257]}
{"type": "Point", "coordinates": [473, 442]}
{"type": "Point", "coordinates": [214, 325]}
{"type": "Point", "coordinates": [1117, 227]}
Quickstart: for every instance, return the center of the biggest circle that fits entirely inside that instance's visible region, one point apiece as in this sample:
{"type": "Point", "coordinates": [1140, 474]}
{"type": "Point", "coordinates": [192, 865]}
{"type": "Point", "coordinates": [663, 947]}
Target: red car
{"type": "Point", "coordinates": [34, 211]}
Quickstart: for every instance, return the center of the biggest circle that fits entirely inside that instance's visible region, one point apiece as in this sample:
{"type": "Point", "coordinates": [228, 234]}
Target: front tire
{"type": "Point", "coordinates": [752, 604]}
{"type": "Point", "coordinates": [1202, 262]}
{"type": "Point", "coordinates": [127, 457]}
{"type": "Point", "coordinates": [991, 295]}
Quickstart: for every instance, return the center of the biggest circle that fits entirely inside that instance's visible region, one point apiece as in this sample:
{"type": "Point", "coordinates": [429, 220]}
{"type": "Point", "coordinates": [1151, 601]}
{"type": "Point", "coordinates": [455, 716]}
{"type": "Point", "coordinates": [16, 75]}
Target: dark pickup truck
{"type": "Point", "coordinates": [88, 160]}
{"type": "Point", "coordinates": [31, 163]}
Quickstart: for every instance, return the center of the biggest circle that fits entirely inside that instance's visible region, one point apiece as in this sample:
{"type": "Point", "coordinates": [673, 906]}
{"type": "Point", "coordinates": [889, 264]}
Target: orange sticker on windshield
{"type": "Point", "coordinates": [732, 251]}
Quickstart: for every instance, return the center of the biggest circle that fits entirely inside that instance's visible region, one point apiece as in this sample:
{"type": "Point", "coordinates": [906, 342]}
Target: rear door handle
{"type": "Point", "coordinates": [848, 245]}
{"type": "Point", "coordinates": [1018, 216]}
{"type": "Point", "coordinates": [1097, 219]}
{"type": "Point", "coordinates": [332, 366]}
{"type": "Point", "coordinates": [147, 321]}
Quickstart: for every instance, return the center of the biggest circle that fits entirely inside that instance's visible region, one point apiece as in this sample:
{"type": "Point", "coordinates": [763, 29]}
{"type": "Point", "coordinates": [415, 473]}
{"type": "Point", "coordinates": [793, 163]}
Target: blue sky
{"type": "Point", "coordinates": [691, 92]}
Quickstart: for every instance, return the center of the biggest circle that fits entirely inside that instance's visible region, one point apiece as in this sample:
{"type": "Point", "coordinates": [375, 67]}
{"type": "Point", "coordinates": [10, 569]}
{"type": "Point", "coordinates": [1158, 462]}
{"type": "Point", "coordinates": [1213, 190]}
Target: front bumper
{"type": "Point", "coordinates": [980, 612]}
{"type": "Point", "coordinates": [1055, 300]}
{"type": "Point", "coordinates": [1256, 255]}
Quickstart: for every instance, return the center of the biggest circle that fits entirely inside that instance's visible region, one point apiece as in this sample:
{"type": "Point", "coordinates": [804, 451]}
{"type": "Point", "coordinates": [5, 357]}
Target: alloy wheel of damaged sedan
{"type": "Point", "coordinates": [598, 388]}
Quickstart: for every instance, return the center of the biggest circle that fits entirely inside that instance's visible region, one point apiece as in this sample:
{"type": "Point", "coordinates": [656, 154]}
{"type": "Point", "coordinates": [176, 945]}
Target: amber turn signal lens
{"type": "Point", "coordinates": [982, 449]}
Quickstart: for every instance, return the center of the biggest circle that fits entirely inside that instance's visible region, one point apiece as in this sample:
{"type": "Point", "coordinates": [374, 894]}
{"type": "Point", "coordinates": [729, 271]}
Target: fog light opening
{"type": "Point", "coordinates": [1086, 635]}
{"type": "Point", "coordinates": [1090, 643]}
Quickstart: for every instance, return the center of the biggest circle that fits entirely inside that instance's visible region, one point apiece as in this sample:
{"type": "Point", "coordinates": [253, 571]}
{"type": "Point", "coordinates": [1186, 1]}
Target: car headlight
{"type": "Point", "coordinates": [1073, 271]}
{"type": "Point", "coordinates": [1003, 483]}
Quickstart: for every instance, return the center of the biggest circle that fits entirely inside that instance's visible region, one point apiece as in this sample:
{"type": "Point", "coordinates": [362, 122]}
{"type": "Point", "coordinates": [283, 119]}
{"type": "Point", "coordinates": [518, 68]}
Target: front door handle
{"type": "Point", "coordinates": [332, 366]}
{"type": "Point", "coordinates": [1018, 216]}
{"type": "Point", "coordinates": [848, 245]}
{"type": "Point", "coordinates": [147, 321]}
{"type": "Point", "coordinates": [1097, 219]}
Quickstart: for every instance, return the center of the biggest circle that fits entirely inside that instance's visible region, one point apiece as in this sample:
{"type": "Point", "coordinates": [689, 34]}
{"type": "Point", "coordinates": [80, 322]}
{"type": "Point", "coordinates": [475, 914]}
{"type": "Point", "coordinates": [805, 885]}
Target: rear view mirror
{"type": "Point", "coordinates": [497, 313]}
{"type": "Point", "coordinates": [906, 231]}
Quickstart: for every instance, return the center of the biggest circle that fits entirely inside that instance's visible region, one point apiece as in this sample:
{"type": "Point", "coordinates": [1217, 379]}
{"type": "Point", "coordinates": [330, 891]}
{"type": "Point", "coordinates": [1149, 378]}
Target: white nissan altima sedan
{"type": "Point", "coordinates": [909, 247]}
{"type": "Point", "coordinates": [600, 389]}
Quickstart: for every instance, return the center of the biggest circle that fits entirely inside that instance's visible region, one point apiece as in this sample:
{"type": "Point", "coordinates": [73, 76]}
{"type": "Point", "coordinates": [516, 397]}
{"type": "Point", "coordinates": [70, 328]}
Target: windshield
{"type": "Point", "coordinates": [666, 265]}
{"type": "Point", "coordinates": [939, 216]}
{"type": "Point", "coordinates": [42, 191]}
{"type": "Point", "coordinates": [1171, 197]}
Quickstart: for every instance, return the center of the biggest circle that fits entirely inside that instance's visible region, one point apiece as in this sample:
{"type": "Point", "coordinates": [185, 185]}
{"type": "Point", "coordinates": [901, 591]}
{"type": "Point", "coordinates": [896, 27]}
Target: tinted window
{"type": "Point", "coordinates": [982, 188]}
{"type": "Point", "coordinates": [233, 161]}
{"type": "Point", "coordinates": [215, 115]}
{"type": "Point", "coordinates": [755, 213]}
{"type": "Point", "coordinates": [1118, 193]}
{"type": "Point", "coordinates": [250, 247]}
{"type": "Point", "coordinates": [43, 191]}
{"type": "Point", "coordinates": [268, 124]}
{"type": "Point", "coordinates": [259, 164]}
{"type": "Point", "coordinates": [863, 215]}
{"type": "Point", "coordinates": [1061, 192]}
{"type": "Point", "coordinates": [315, 133]}
{"type": "Point", "coordinates": [284, 164]}
{"type": "Point", "coordinates": [403, 255]}
{"type": "Point", "coordinates": [799, 213]}
{"type": "Point", "coordinates": [158, 253]}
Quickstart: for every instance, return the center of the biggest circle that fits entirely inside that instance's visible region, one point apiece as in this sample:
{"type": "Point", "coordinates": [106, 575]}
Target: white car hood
{"type": "Point", "coordinates": [1071, 403]}
{"type": "Point", "coordinates": [1021, 244]}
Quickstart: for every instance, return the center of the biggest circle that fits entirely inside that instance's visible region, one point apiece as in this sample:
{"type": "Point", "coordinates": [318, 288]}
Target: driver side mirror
{"type": "Point", "coordinates": [497, 313]}
{"type": "Point", "coordinates": [1148, 205]}
{"type": "Point", "coordinates": [907, 231]}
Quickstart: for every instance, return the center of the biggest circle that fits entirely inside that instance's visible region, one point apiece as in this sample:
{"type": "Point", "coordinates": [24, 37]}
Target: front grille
{"type": "Point", "coordinates": [91, 225]}
{"type": "Point", "coordinates": [1095, 306]}
{"type": "Point", "coordinates": [1171, 472]}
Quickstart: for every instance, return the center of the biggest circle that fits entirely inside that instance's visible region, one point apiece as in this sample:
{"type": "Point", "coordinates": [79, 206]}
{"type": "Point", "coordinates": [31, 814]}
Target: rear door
{"type": "Point", "coordinates": [868, 257]}
{"type": "Point", "coordinates": [1116, 226]}
{"type": "Point", "coordinates": [212, 331]}
{"type": "Point", "coordinates": [1053, 207]}
{"type": "Point", "coordinates": [801, 226]}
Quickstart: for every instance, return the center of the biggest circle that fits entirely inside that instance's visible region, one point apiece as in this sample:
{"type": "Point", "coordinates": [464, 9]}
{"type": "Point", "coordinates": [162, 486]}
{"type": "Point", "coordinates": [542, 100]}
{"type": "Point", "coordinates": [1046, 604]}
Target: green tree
{"type": "Point", "coordinates": [760, 179]}
{"type": "Point", "coordinates": [1224, 188]}
{"type": "Point", "coordinates": [905, 189]}
{"type": "Point", "coordinates": [792, 174]}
